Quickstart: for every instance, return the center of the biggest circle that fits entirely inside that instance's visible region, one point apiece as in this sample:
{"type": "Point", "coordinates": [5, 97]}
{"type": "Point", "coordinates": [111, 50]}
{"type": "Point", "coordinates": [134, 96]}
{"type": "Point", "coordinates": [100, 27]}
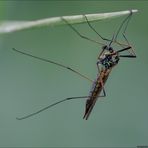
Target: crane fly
{"type": "Point", "coordinates": [107, 60]}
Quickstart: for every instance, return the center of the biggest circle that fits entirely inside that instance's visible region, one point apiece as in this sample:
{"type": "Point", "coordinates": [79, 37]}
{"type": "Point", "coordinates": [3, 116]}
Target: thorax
{"type": "Point", "coordinates": [108, 60]}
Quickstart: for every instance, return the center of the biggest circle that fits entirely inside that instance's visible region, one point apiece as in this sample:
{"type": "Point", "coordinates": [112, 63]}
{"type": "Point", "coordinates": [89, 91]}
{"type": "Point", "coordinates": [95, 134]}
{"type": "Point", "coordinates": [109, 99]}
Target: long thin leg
{"type": "Point", "coordinates": [52, 62]}
{"type": "Point", "coordinates": [103, 89]}
{"type": "Point", "coordinates": [126, 20]}
{"type": "Point", "coordinates": [124, 49]}
{"type": "Point", "coordinates": [127, 56]}
{"type": "Point", "coordinates": [79, 34]}
{"type": "Point", "coordinates": [49, 106]}
{"type": "Point", "coordinates": [84, 37]}
{"type": "Point", "coordinates": [129, 48]}
{"type": "Point", "coordinates": [105, 39]}
{"type": "Point", "coordinates": [103, 49]}
{"type": "Point", "coordinates": [89, 24]}
{"type": "Point", "coordinates": [124, 35]}
{"type": "Point", "coordinates": [114, 39]}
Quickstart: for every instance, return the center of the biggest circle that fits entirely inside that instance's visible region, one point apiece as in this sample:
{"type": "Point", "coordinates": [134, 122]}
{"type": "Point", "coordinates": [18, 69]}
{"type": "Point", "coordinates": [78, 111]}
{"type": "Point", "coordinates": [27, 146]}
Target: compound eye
{"type": "Point", "coordinates": [104, 47]}
{"type": "Point", "coordinates": [110, 49]}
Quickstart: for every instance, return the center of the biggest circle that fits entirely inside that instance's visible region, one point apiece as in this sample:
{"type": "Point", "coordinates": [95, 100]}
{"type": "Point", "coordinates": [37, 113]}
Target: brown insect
{"type": "Point", "coordinates": [107, 60]}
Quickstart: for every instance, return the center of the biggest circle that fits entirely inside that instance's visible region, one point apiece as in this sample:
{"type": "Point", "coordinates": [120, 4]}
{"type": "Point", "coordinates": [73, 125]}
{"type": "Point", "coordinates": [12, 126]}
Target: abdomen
{"type": "Point", "coordinates": [95, 92]}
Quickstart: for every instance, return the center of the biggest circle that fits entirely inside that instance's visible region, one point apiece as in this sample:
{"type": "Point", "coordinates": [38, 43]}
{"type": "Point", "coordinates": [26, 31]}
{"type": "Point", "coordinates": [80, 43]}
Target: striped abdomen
{"type": "Point", "coordinates": [95, 92]}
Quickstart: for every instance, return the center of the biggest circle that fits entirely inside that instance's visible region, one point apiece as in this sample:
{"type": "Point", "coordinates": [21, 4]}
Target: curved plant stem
{"type": "Point", "coordinates": [13, 26]}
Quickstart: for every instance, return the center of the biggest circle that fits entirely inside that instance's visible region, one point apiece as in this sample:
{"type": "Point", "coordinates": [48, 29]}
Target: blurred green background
{"type": "Point", "coordinates": [26, 84]}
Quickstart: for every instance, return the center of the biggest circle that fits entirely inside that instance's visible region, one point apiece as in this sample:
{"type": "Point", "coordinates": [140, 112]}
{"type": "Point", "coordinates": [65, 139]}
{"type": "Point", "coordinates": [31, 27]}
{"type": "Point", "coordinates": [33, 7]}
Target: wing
{"type": "Point", "coordinates": [95, 93]}
{"type": "Point", "coordinates": [90, 103]}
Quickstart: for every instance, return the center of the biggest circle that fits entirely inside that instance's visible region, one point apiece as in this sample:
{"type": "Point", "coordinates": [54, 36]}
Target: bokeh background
{"type": "Point", "coordinates": [26, 84]}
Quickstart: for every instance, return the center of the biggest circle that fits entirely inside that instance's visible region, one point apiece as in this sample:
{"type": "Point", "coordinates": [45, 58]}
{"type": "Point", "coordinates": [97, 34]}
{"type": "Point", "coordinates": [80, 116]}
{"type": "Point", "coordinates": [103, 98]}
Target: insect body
{"type": "Point", "coordinates": [95, 92]}
{"type": "Point", "coordinates": [107, 59]}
